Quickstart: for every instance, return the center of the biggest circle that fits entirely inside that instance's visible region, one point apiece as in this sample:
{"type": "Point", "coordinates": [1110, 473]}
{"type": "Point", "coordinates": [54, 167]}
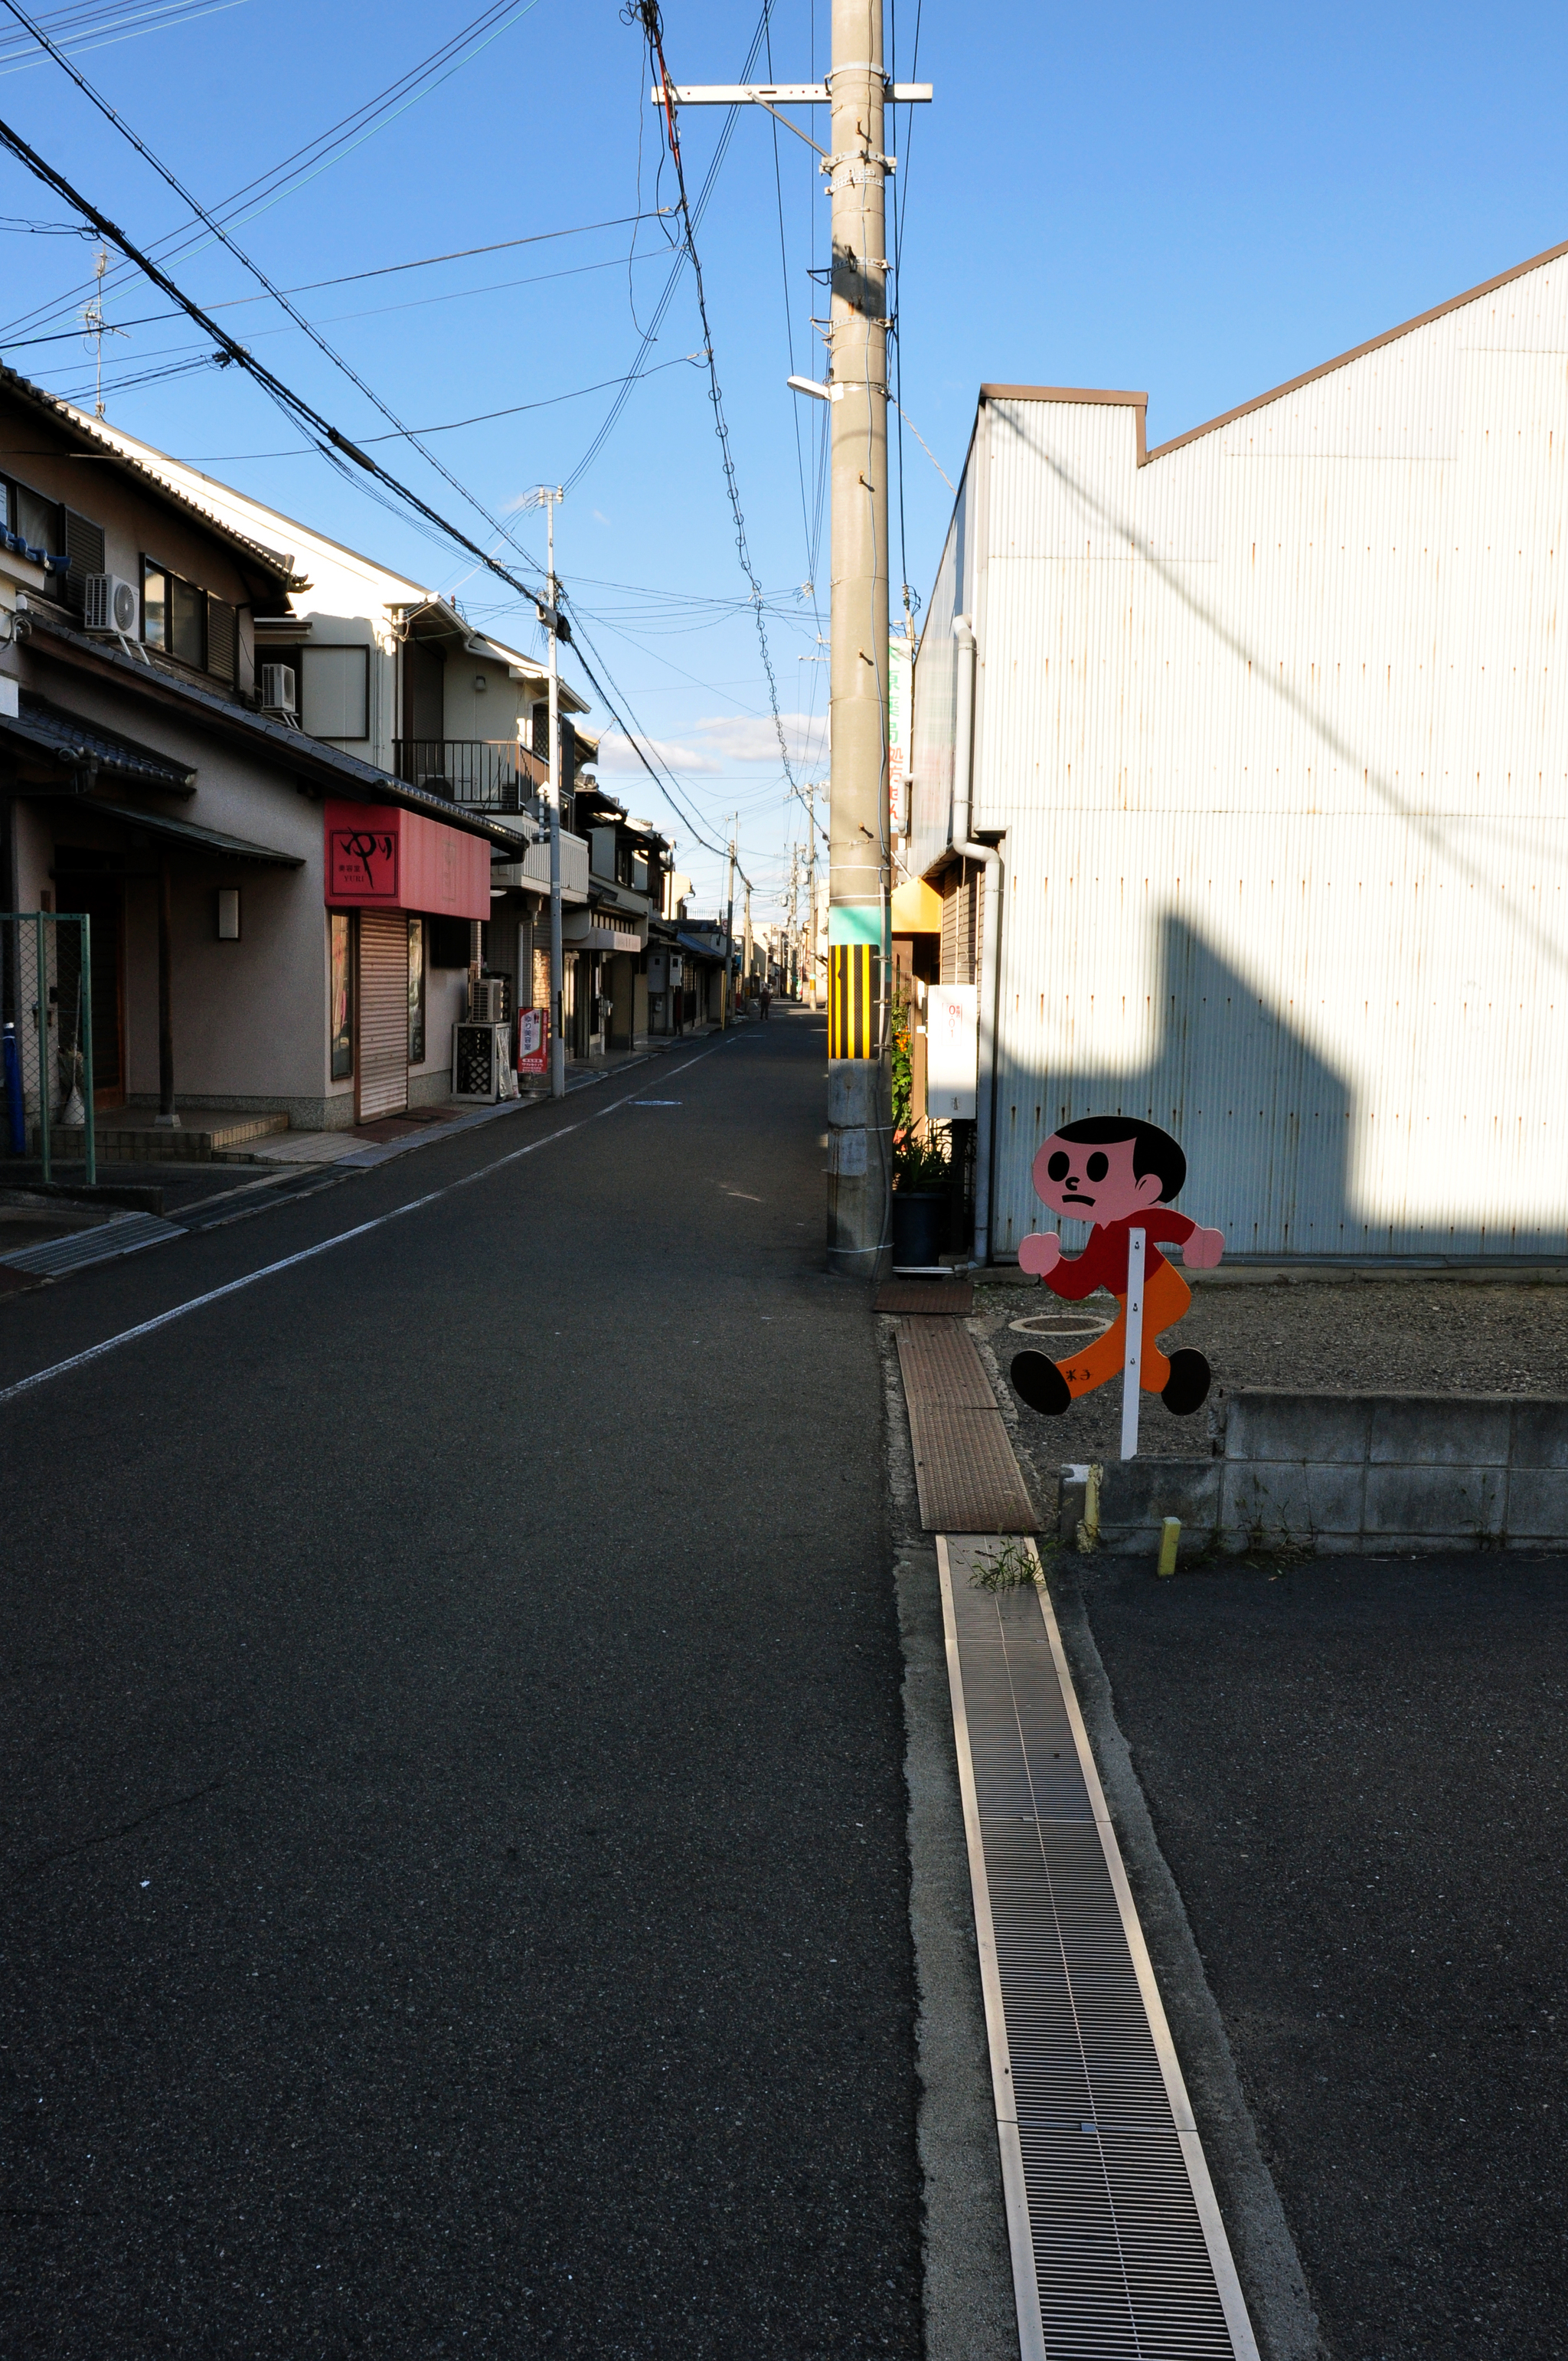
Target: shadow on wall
{"type": "Point", "coordinates": [1266, 1125]}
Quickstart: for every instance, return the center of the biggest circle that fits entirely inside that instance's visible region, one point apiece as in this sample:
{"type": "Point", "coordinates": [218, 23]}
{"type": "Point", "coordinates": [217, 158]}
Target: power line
{"type": "Point", "coordinates": [383, 270]}
{"type": "Point", "coordinates": [635, 737]}
{"type": "Point", "coordinates": [648, 10]}
{"type": "Point", "coordinates": [649, 334]}
{"type": "Point", "coordinates": [173, 181]}
{"type": "Point", "coordinates": [294, 405]}
{"type": "Point", "coordinates": [79, 26]}
{"type": "Point", "coordinates": [337, 141]}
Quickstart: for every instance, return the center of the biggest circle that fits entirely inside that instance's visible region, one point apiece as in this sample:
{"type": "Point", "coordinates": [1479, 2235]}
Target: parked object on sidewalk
{"type": "Point", "coordinates": [16, 1113]}
{"type": "Point", "coordinates": [481, 1063]}
{"type": "Point", "coordinates": [533, 1042]}
{"type": "Point", "coordinates": [1119, 1172]}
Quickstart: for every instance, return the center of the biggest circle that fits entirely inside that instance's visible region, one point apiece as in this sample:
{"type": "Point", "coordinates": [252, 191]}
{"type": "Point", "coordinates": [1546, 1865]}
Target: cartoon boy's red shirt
{"type": "Point", "coordinates": [1103, 1262]}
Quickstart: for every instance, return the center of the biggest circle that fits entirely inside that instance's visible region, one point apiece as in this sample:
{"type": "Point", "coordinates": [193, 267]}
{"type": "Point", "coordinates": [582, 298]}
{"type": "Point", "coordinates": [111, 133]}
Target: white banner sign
{"type": "Point", "coordinates": [952, 1012]}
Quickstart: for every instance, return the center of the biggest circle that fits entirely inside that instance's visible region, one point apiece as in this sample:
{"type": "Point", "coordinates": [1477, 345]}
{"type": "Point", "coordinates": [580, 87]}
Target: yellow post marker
{"type": "Point", "coordinates": [1169, 1541]}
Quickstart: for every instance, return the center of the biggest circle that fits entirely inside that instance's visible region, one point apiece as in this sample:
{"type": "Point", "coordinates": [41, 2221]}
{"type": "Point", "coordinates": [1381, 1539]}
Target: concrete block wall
{"type": "Point", "coordinates": [1361, 1473]}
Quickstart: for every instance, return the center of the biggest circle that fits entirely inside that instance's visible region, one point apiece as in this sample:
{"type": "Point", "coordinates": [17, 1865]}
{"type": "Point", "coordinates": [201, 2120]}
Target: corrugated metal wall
{"type": "Point", "coordinates": [1274, 729]}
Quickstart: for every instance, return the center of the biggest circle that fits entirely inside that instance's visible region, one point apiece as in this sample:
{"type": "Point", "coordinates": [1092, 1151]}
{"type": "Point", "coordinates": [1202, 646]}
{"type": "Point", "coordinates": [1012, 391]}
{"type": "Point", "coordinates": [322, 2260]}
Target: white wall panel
{"type": "Point", "coordinates": [1275, 727]}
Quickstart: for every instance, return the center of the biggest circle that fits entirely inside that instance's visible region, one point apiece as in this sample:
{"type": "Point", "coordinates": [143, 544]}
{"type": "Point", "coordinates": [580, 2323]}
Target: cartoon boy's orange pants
{"type": "Point", "coordinates": [1165, 1297]}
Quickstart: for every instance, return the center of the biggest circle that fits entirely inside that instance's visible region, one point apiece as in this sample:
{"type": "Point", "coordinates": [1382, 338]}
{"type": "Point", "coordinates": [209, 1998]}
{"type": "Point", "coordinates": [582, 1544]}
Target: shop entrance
{"type": "Point", "coordinates": [381, 1003]}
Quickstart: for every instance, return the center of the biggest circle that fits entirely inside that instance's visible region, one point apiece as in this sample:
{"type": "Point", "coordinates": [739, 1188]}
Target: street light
{"type": "Point", "coordinates": [809, 385]}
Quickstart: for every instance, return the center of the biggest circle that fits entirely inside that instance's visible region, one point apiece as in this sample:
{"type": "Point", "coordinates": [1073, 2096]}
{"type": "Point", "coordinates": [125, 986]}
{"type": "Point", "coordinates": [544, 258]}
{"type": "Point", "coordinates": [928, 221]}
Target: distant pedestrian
{"type": "Point", "coordinates": [767, 1000]}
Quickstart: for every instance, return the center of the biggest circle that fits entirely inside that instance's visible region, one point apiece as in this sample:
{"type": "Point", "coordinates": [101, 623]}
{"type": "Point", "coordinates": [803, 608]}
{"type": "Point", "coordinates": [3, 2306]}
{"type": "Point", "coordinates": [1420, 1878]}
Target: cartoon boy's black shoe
{"type": "Point", "coordinates": [1187, 1388]}
{"type": "Point", "coordinates": [1037, 1382]}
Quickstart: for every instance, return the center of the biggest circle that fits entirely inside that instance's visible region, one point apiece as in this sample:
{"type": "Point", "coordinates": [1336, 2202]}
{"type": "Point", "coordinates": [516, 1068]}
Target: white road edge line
{"type": "Point", "coordinates": [308, 1253]}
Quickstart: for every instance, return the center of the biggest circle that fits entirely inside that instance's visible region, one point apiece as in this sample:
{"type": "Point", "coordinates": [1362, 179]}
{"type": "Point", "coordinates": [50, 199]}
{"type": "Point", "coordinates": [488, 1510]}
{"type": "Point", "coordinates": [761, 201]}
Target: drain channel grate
{"type": "Point", "coordinates": [1118, 2249]}
{"type": "Point", "coordinates": [122, 1233]}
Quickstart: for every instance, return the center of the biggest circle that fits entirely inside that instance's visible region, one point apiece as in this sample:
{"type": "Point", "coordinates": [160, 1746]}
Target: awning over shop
{"type": "Point", "coordinates": [585, 930]}
{"type": "Point", "coordinates": [195, 839]}
{"type": "Point", "coordinates": [380, 857]}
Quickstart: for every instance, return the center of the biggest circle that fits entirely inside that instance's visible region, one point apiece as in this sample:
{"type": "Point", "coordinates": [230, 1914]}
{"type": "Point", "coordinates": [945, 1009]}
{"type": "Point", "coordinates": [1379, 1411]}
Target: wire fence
{"type": "Point", "coordinates": [46, 997]}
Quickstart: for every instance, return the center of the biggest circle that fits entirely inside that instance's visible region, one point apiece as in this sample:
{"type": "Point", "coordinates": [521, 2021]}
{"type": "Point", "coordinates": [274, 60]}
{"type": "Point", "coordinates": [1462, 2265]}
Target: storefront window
{"type": "Point", "coordinates": [341, 1020]}
{"type": "Point", "coordinates": [416, 992]}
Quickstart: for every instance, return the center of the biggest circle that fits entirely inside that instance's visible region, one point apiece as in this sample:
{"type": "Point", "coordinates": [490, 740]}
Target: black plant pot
{"type": "Point", "coordinates": [919, 1227]}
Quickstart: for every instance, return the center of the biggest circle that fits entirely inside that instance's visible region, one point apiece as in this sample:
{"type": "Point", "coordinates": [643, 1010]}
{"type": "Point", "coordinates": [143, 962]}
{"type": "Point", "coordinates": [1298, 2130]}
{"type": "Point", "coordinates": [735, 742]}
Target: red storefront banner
{"type": "Point", "coordinates": [379, 857]}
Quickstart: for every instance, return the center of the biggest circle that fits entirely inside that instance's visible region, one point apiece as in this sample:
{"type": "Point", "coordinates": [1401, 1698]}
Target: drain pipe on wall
{"type": "Point", "coordinates": [991, 928]}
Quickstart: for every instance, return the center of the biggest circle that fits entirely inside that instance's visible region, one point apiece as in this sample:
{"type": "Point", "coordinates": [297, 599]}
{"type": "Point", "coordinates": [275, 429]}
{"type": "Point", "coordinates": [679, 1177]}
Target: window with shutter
{"type": "Point", "coordinates": [84, 554]}
{"type": "Point", "coordinates": [223, 639]}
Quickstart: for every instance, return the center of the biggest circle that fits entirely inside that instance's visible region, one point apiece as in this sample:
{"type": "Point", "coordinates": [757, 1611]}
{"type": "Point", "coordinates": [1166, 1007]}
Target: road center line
{"type": "Point", "coordinates": [324, 1245]}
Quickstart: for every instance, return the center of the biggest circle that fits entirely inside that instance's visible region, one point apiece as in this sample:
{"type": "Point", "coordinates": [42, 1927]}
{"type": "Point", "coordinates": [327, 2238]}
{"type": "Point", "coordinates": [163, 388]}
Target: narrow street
{"type": "Point", "coordinates": [453, 1752]}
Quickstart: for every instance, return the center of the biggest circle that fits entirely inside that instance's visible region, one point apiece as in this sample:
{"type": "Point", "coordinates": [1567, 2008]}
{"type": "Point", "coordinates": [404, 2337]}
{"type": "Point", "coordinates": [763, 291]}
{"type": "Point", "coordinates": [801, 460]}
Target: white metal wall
{"type": "Point", "coordinates": [1274, 727]}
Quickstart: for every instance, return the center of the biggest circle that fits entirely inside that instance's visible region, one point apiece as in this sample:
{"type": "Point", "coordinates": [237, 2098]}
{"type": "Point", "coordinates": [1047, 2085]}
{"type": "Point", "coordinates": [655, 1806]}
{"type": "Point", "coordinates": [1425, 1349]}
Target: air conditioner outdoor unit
{"type": "Point", "coordinates": [110, 603]}
{"type": "Point", "coordinates": [481, 1063]}
{"type": "Point", "coordinates": [488, 1000]}
{"type": "Point", "coordinates": [278, 689]}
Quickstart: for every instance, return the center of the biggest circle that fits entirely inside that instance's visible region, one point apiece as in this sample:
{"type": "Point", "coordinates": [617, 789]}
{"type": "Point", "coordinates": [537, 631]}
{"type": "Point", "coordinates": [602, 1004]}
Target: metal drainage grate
{"type": "Point", "coordinates": [1119, 2252]}
{"type": "Point", "coordinates": [122, 1233]}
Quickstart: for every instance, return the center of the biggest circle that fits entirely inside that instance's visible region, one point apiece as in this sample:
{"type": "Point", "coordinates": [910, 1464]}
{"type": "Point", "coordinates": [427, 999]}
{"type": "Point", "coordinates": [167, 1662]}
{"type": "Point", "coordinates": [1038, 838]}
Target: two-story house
{"type": "Point", "coordinates": [282, 917]}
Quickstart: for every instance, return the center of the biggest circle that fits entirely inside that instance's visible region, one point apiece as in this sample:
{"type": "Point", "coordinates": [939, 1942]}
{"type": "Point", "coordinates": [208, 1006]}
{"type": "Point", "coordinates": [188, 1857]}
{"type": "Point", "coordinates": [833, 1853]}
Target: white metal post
{"type": "Point", "coordinates": [1133, 1370]}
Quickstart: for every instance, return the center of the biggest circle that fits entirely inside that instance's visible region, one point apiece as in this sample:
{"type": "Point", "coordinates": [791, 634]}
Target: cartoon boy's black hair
{"type": "Point", "coordinates": [1153, 1150]}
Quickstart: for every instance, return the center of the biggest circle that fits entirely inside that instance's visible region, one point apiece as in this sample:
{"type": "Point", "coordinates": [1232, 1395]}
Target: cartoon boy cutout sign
{"type": "Point", "coordinates": [1120, 1174]}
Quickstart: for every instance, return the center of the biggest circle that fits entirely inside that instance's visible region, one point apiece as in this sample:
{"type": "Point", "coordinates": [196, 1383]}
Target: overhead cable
{"type": "Point", "coordinates": [294, 406]}
{"type": "Point", "coordinates": [648, 11]}
{"type": "Point", "coordinates": [330, 147]}
{"type": "Point", "coordinates": [173, 181]}
{"type": "Point", "coordinates": [348, 278]}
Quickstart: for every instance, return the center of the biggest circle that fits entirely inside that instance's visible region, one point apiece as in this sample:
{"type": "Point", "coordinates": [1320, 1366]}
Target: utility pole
{"type": "Point", "coordinates": [728, 925]}
{"type": "Point", "coordinates": [548, 499]}
{"type": "Point", "coordinates": [860, 1117]}
{"type": "Point", "coordinates": [860, 1112]}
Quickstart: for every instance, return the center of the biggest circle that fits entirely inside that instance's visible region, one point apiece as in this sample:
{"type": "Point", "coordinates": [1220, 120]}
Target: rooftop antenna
{"type": "Point", "coordinates": [93, 321]}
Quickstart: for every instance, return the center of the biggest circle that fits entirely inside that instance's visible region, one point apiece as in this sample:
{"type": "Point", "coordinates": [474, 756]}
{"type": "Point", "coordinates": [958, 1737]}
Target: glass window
{"type": "Point", "coordinates": [187, 623]}
{"type": "Point", "coordinates": [416, 992]}
{"type": "Point", "coordinates": [154, 606]}
{"type": "Point", "coordinates": [38, 521]}
{"type": "Point", "coordinates": [342, 1019]}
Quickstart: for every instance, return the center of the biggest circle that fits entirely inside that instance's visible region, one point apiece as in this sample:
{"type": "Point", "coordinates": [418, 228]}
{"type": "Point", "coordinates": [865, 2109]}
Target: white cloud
{"type": "Point", "coordinates": [618, 753]}
{"type": "Point", "coordinates": [722, 742]}
{"type": "Point", "coordinates": [753, 738]}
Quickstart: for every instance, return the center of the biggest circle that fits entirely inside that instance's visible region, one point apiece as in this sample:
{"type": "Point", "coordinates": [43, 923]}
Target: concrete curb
{"type": "Point", "coordinates": [970, 2313]}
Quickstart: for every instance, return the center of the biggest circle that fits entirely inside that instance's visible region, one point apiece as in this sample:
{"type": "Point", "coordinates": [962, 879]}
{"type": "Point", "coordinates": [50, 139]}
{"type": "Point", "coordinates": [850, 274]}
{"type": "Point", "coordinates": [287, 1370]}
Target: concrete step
{"type": "Point", "coordinates": [200, 1137]}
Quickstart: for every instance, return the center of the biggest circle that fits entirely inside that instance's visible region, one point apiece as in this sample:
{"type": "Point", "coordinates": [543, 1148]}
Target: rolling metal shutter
{"type": "Point", "coordinates": [381, 1066]}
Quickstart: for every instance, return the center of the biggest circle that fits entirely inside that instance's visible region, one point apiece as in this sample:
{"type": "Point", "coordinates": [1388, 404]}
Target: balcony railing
{"type": "Point", "coordinates": [484, 774]}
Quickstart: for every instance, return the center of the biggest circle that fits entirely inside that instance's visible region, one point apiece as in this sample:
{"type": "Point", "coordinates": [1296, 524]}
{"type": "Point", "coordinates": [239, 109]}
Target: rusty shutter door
{"type": "Point", "coordinates": [381, 1068]}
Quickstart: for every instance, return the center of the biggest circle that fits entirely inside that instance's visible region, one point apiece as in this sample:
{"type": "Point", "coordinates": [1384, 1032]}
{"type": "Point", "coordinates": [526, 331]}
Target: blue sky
{"type": "Point", "coordinates": [1201, 203]}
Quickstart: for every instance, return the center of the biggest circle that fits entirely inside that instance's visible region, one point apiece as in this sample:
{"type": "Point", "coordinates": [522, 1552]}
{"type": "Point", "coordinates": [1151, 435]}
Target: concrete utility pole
{"type": "Point", "coordinates": [860, 1117]}
{"type": "Point", "coordinates": [860, 1112]}
{"type": "Point", "coordinates": [547, 500]}
{"type": "Point", "coordinates": [729, 926]}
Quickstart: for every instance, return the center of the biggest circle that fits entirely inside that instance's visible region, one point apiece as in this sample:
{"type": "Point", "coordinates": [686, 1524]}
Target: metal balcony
{"type": "Point", "coordinates": [482, 773]}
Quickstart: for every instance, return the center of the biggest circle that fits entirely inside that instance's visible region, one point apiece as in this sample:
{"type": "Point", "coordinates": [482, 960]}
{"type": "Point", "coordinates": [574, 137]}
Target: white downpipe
{"type": "Point", "coordinates": [991, 928]}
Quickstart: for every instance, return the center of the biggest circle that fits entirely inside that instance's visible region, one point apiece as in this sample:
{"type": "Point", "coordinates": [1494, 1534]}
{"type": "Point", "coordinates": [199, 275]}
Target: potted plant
{"type": "Point", "coordinates": [922, 1196]}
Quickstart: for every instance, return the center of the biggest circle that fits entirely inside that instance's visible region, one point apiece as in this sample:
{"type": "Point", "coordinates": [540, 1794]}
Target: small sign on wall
{"type": "Point", "coordinates": [362, 864]}
{"type": "Point", "coordinates": [951, 1051]}
{"type": "Point", "coordinates": [228, 914]}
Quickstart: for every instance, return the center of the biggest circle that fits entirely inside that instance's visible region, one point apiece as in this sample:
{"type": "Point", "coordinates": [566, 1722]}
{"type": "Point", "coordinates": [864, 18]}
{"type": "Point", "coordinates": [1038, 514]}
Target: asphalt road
{"type": "Point", "coordinates": [1358, 1773]}
{"type": "Point", "coordinates": [451, 1755]}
